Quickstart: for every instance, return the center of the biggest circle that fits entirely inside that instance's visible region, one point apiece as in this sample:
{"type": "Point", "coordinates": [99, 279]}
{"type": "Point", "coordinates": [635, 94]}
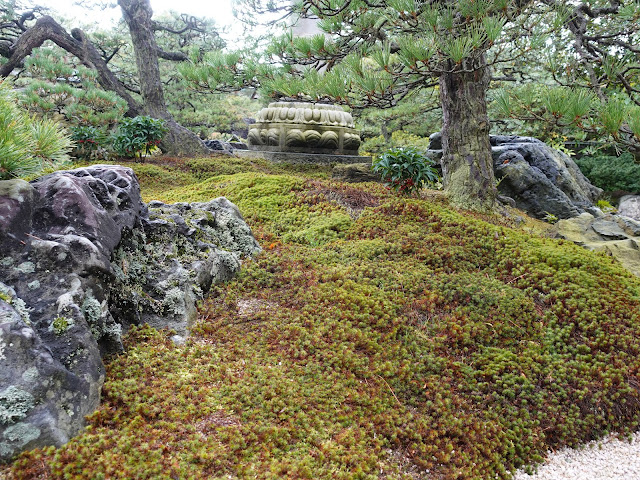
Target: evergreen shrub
{"type": "Point", "coordinates": [54, 86]}
{"type": "Point", "coordinates": [612, 173]}
{"type": "Point", "coordinates": [90, 142]}
{"type": "Point", "coordinates": [28, 145]}
{"type": "Point", "coordinates": [138, 136]}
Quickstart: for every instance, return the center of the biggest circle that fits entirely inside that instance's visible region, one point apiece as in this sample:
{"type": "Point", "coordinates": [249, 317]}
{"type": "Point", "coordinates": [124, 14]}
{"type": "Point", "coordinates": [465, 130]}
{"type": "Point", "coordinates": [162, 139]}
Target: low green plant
{"type": "Point", "coordinates": [612, 173]}
{"type": "Point", "coordinates": [137, 136]}
{"type": "Point", "coordinates": [550, 218]}
{"type": "Point", "coordinates": [90, 142]}
{"type": "Point", "coordinates": [60, 325]}
{"type": "Point", "coordinates": [406, 170]}
{"type": "Point", "coordinates": [606, 206]}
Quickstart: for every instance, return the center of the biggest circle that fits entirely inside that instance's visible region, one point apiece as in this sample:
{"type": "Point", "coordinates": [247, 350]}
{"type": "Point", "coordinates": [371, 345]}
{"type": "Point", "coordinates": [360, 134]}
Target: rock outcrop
{"type": "Point", "coordinates": [81, 258]}
{"type": "Point", "coordinates": [614, 235]}
{"type": "Point", "coordinates": [629, 206]}
{"type": "Point", "coordinates": [540, 179]}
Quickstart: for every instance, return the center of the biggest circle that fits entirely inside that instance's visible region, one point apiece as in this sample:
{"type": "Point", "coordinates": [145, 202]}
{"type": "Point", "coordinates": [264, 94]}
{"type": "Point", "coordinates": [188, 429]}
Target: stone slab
{"type": "Point", "coordinates": [302, 158]}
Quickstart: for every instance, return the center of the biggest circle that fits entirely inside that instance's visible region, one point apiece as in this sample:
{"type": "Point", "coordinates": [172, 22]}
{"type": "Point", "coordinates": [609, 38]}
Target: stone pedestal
{"type": "Point", "coordinates": [304, 128]}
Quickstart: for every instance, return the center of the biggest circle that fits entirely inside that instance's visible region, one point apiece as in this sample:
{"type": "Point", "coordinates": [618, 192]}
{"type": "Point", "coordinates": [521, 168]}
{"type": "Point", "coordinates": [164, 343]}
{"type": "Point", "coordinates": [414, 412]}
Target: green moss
{"type": "Point", "coordinates": [412, 338]}
{"type": "Point", "coordinates": [60, 325]}
{"type": "Point", "coordinates": [321, 229]}
{"type": "Point", "coordinates": [7, 294]}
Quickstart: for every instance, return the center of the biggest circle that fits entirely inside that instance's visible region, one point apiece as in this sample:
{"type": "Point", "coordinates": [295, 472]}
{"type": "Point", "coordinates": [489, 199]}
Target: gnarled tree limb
{"type": "Point", "coordinates": [46, 28]}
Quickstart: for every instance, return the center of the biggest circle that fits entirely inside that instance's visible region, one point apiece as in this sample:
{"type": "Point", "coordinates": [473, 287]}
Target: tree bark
{"type": "Point", "coordinates": [179, 141]}
{"type": "Point", "coordinates": [467, 165]}
{"type": "Point", "coordinates": [46, 28]}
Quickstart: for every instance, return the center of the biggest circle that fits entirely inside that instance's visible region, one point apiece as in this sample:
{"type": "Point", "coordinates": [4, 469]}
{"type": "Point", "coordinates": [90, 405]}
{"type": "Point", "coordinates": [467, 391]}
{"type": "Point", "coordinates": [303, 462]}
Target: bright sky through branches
{"type": "Point", "coordinates": [218, 10]}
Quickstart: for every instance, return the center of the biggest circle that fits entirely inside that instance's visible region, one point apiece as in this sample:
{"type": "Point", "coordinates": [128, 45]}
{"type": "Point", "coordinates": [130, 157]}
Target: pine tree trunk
{"type": "Point", "coordinates": [466, 162]}
{"type": "Point", "coordinates": [180, 140]}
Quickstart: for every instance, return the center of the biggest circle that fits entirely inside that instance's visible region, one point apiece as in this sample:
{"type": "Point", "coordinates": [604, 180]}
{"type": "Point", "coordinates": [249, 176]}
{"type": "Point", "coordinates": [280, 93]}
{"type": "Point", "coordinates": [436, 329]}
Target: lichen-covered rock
{"type": "Point", "coordinates": [42, 402]}
{"type": "Point", "coordinates": [614, 235]}
{"type": "Point", "coordinates": [540, 179]}
{"type": "Point", "coordinates": [180, 252]}
{"type": "Point", "coordinates": [81, 258]}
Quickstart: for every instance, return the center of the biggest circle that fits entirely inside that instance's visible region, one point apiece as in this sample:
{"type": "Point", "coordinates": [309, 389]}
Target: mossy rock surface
{"type": "Point", "coordinates": [374, 337]}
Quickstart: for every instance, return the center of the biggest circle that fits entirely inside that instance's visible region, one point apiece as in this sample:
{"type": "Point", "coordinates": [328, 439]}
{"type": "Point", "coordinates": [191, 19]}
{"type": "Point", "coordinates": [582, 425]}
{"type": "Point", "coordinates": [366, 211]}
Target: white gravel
{"type": "Point", "coordinates": [605, 459]}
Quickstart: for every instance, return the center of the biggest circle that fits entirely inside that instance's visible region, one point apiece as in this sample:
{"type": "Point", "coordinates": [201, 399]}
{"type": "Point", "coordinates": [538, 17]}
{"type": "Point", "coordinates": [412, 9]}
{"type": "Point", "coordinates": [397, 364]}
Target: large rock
{"type": "Point", "coordinates": [81, 258]}
{"type": "Point", "coordinates": [179, 253]}
{"type": "Point", "coordinates": [539, 178]}
{"type": "Point", "coordinates": [614, 235]}
{"type": "Point", "coordinates": [629, 206]}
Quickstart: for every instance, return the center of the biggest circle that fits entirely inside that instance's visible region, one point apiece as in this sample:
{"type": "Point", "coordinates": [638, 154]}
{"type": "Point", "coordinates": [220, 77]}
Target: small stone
{"type": "Point", "coordinates": [608, 229]}
{"type": "Point", "coordinates": [355, 173]}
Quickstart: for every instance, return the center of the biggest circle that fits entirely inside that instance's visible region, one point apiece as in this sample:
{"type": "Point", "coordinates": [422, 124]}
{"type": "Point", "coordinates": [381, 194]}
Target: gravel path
{"type": "Point", "coordinates": [605, 459]}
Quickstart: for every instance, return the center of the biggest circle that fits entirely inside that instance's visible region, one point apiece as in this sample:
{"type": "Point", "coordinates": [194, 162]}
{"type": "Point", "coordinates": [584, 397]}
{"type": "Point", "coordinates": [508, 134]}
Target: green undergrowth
{"type": "Point", "coordinates": [376, 337]}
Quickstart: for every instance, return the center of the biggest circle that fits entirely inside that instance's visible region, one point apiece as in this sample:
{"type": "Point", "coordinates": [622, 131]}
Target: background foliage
{"type": "Point", "coordinates": [612, 173]}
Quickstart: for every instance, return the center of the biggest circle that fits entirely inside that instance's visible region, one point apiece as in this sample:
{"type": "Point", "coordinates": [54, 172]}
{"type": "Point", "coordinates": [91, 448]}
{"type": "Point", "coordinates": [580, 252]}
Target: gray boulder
{"type": "Point", "coordinates": [179, 253]}
{"type": "Point", "coordinates": [42, 401]}
{"type": "Point", "coordinates": [540, 179]}
{"type": "Point", "coordinates": [81, 259]}
{"type": "Point", "coordinates": [629, 206]}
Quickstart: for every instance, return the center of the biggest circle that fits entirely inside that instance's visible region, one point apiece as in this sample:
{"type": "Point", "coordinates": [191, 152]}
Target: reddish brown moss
{"type": "Point", "coordinates": [415, 338]}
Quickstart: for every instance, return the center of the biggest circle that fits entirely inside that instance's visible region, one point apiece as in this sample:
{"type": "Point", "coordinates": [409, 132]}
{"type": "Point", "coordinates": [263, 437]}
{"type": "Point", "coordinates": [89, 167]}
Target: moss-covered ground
{"type": "Point", "coordinates": [376, 337]}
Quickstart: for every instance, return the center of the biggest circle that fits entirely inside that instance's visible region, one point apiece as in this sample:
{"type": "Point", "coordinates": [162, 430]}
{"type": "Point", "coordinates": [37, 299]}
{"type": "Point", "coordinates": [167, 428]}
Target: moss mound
{"type": "Point", "coordinates": [375, 337]}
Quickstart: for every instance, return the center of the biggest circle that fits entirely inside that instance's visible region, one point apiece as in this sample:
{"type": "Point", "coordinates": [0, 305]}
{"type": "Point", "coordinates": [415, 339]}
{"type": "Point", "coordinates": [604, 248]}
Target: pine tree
{"type": "Point", "coordinates": [375, 52]}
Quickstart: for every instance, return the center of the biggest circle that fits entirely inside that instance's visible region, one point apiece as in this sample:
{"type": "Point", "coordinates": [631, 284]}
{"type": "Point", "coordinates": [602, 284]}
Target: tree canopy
{"type": "Point", "coordinates": [571, 67]}
{"type": "Point", "coordinates": [569, 63]}
{"type": "Point", "coordinates": [101, 54]}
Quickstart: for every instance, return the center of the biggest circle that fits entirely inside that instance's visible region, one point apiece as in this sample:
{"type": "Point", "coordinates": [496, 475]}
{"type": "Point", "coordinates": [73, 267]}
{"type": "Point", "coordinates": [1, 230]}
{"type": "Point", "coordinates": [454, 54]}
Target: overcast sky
{"type": "Point", "coordinates": [218, 10]}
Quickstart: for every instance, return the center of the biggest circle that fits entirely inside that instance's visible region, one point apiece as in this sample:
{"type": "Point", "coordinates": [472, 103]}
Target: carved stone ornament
{"type": "Point", "coordinates": [304, 128]}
